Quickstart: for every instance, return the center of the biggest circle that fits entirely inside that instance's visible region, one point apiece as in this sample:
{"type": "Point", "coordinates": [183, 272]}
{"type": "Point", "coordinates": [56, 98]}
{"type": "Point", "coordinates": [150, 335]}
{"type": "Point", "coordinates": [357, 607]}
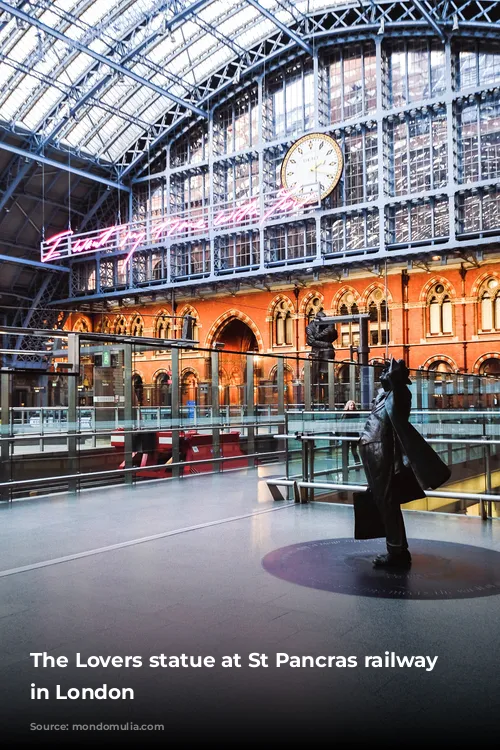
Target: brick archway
{"type": "Point", "coordinates": [221, 322]}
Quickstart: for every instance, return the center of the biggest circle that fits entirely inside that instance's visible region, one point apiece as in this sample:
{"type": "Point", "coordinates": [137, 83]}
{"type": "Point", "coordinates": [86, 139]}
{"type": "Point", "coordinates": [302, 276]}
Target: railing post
{"type": "Point", "coordinates": [485, 509]}
{"type": "Point", "coordinates": [128, 412]}
{"type": "Point", "coordinates": [214, 357]}
{"type": "Point", "coordinates": [5, 431]}
{"type": "Point", "coordinates": [72, 431]}
{"type": "Point", "coordinates": [250, 404]}
{"type": "Point", "coordinates": [304, 491]}
{"type": "Point", "coordinates": [331, 386]}
{"type": "Point", "coordinates": [280, 377]}
{"type": "Point", "coordinates": [176, 454]}
{"type": "Point", "coordinates": [307, 385]}
{"type": "Point", "coordinates": [364, 374]}
{"type": "Point", "coordinates": [352, 383]}
{"type": "Point", "coordinates": [311, 468]}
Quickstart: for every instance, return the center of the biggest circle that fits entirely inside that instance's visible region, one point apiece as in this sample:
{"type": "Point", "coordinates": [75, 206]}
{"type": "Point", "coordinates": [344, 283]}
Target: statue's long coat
{"type": "Point", "coordinates": [403, 465]}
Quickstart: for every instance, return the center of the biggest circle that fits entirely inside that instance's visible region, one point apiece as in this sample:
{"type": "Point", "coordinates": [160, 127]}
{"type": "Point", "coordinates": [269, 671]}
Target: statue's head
{"type": "Point", "coordinates": [394, 373]}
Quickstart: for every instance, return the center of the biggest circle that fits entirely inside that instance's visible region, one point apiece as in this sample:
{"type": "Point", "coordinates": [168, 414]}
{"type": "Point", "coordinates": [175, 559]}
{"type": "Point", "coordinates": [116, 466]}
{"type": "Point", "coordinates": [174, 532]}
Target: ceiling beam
{"type": "Point", "coordinates": [297, 39]}
{"type": "Point", "coordinates": [430, 20]}
{"type": "Point", "coordinates": [100, 58]}
{"type": "Point", "coordinates": [32, 263]}
{"type": "Point", "coordinates": [61, 165]}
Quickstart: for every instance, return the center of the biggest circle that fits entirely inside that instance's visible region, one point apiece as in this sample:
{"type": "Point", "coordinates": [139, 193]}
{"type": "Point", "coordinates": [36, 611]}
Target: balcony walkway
{"type": "Point", "coordinates": [197, 567]}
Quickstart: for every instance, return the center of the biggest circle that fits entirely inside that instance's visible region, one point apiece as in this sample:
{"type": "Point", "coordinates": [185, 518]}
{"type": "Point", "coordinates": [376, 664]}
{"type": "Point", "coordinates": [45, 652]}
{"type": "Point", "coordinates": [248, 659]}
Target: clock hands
{"type": "Point", "coordinates": [326, 170]}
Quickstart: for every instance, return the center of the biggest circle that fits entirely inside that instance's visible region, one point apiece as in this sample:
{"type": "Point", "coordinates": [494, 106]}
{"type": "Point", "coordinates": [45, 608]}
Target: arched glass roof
{"type": "Point", "coordinates": [107, 79]}
{"type": "Point", "coordinates": [93, 75]}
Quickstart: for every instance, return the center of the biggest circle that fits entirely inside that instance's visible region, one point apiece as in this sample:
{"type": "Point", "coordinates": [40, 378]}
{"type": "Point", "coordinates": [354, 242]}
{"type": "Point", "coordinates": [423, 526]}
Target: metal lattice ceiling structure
{"type": "Point", "coordinates": [93, 88]}
{"type": "Point", "coordinates": [105, 78]}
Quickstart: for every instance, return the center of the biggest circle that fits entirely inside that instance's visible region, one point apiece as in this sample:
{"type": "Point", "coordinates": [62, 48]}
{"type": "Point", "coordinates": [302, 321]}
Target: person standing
{"type": "Point", "coordinates": [399, 464]}
{"type": "Point", "coordinates": [345, 420]}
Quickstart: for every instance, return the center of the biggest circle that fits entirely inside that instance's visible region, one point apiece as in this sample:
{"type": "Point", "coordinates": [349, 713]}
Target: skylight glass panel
{"type": "Point", "coordinates": [99, 9]}
{"type": "Point", "coordinates": [212, 12]}
{"type": "Point", "coordinates": [181, 61]}
{"type": "Point", "coordinates": [25, 46]}
{"type": "Point", "coordinates": [109, 128]}
{"type": "Point", "coordinates": [74, 70]}
{"type": "Point", "coordinates": [10, 106]}
{"type": "Point", "coordinates": [137, 97]}
{"type": "Point", "coordinates": [6, 72]}
{"type": "Point", "coordinates": [119, 93]}
{"type": "Point", "coordinates": [119, 147]}
{"type": "Point", "coordinates": [255, 32]}
{"type": "Point", "coordinates": [69, 5]}
{"type": "Point", "coordinates": [37, 114]}
{"type": "Point", "coordinates": [153, 112]}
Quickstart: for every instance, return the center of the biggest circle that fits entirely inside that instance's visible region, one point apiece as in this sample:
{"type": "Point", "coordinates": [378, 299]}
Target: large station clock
{"type": "Point", "coordinates": [312, 166]}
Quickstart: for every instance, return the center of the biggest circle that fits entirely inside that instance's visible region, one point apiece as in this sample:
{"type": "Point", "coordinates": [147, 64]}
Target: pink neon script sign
{"type": "Point", "coordinates": [130, 237]}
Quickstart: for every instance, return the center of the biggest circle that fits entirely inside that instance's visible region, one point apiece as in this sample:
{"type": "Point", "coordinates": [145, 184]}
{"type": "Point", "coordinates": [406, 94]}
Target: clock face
{"type": "Point", "coordinates": [312, 166]}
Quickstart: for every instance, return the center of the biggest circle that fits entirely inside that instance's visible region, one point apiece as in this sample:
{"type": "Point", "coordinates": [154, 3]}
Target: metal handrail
{"type": "Point", "coordinates": [132, 470]}
{"type": "Point", "coordinates": [134, 431]}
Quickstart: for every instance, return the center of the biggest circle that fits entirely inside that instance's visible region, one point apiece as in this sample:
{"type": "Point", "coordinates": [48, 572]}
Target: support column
{"type": "Point", "coordinates": [364, 375]}
{"type": "Point", "coordinates": [72, 431]}
{"type": "Point", "coordinates": [5, 432]}
{"type": "Point", "coordinates": [176, 454]}
{"type": "Point", "coordinates": [307, 385]}
{"type": "Point", "coordinates": [331, 386]}
{"type": "Point", "coordinates": [280, 379]}
{"type": "Point", "coordinates": [250, 404]}
{"type": "Point", "coordinates": [128, 417]}
{"type": "Point", "coordinates": [214, 361]}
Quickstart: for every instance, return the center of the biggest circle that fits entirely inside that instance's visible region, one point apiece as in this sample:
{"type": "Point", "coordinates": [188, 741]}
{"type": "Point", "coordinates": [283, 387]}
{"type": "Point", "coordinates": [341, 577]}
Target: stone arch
{"type": "Point", "coordinates": [307, 299]}
{"type": "Point", "coordinates": [157, 373]}
{"type": "Point", "coordinates": [449, 288]}
{"type": "Point", "coordinates": [274, 369]}
{"type": "Point", "coordinates": [120, 325]}
{"type": "Point", "coordinates": [189, 370]}
{"type": "Point", "coordinates": [373, 287]}
{"type": "Point", "coordinates": [138, 387]}
{"type": "Point", "coordinates": [82, 325]}
{"type": "Point", "coordinates": [162, 317]}
{"type": "Point", "coordinates": [161, 387]}
{"type": "Point", "coordinates": [188, 309]}
{"type": "Point", "coordinates": [481, 279]}
{"type": "Point", "coordinates": [483, 358]}
{"type": "Point", "coordinates": [281, 325]}
{"type": "Point", "coordinates": [275, 301]}
{"type": "Point", "coordinates": [440, 358]}
{"type": "Point", "coordinates": [136, 321]}
{"type": "Point", "coordinates": [218, 325]}
{"type": "Point", "coordinates": [103, 325]}
{"type": "Point", "coordinates": [189, 382]}
{"type": "Point", "coordinates": [341, 292]}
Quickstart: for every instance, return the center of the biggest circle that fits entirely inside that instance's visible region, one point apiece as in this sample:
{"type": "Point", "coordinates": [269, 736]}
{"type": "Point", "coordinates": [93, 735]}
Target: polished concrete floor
{"type": "Point", "coordinates": [176, 567]}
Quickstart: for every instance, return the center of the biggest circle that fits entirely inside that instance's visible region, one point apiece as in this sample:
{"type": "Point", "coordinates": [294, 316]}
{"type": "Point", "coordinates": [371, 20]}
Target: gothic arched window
{"type": "Point", "coordinates": [283, 324]}
{"type": "Point", "coordinates": [440, 311]}
{"type": "Point", "coordinates": [81, 326]}
{"type": "Point", "coordinates": [162, 326]}
{"type": "Point", "coordinates": [313, 307]}
{"type": "Point", "coordinates": [121, 326]}
{"type": "Point", "coordinates": [489, 296]}
{"type": "Point", "coordinates": [137, 326]}
{"type": "Point", "coordinates": [349, 331]}
{"type": "Point", "coordinates": [379, 318]}
{"type": "Point", "coordinates": [103, 325]}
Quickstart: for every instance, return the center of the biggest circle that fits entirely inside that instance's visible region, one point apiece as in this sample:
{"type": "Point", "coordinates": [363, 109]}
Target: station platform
{"type": "Point", "coordinates": [211, 566]}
